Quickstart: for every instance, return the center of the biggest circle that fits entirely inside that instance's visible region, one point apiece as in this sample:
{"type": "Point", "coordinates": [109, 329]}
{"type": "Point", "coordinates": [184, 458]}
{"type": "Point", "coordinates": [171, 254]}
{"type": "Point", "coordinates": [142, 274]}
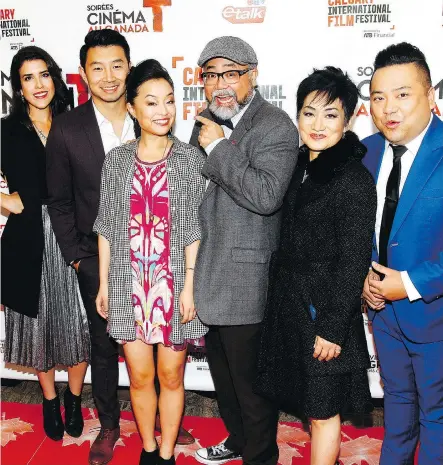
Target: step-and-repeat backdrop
{"type": "Point", "coordinates": [290, 38]}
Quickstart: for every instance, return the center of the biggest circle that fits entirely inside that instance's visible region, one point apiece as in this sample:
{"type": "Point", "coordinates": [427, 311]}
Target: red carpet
{"type": "Point", "coordinates": [24, 441]}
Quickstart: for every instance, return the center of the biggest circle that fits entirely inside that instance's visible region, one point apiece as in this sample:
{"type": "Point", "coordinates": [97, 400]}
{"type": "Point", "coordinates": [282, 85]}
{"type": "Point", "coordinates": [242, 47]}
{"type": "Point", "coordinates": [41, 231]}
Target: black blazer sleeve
{"type": "Point", "coordinates": [61, 201]}
{"type": "Point", "coordinates": [13, 157]}
{"type": "Point", "coordinates": [355, 209]}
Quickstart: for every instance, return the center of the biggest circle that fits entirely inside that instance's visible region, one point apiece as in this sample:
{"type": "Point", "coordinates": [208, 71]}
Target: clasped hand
{"type": "Point", "coordinates": [325, 350]}
{"type": "Point", "coordinates": [377, 291]}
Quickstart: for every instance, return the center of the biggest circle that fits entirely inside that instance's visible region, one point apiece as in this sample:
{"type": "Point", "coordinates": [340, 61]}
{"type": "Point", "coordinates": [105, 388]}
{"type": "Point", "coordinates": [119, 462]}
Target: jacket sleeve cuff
{"type": "Point", "coordinates": [212, 145]}
{"type": "Point", "coordinates": [411, 290]}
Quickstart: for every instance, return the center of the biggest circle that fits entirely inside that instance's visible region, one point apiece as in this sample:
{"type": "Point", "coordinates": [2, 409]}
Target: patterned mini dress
{"type": "Point", "coordinates": [152, 277]}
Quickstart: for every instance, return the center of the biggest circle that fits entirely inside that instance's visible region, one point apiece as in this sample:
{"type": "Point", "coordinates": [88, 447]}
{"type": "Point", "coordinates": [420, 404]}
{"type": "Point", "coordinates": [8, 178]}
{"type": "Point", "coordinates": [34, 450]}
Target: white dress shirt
{"type": "Point", "coordinates": [109, 137]}
{"type": "Point", "coordinates": [387, 163]}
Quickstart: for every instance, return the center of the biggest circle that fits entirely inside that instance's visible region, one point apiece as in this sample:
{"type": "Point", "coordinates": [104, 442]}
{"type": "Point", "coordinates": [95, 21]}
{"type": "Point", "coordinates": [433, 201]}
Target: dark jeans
{"type": "Point", "coordinates": [250, 419]}
{"type": "Point", "coordinates": [104, 350]}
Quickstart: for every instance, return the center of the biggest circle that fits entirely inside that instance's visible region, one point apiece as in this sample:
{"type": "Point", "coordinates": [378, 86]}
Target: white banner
{"type": "Point", "coordinates": [290, 38]}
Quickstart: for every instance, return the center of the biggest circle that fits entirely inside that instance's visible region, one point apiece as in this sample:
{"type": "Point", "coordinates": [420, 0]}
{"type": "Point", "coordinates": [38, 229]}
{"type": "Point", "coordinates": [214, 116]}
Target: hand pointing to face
{"type": "Point", "coordinates": [209, 131]}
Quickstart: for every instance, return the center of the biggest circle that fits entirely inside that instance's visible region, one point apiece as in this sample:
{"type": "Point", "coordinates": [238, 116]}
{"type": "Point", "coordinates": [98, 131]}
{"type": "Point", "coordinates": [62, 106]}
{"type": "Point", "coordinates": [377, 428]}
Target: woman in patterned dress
{"type": "Point", "coordinates": [46, 324]}
{"type": "Point", "coordinates": [148, 242]}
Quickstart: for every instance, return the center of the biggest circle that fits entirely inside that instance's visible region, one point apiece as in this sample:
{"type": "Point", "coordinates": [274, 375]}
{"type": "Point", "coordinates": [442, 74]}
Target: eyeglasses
{"type": "Point", "coordinates": [230, 77]}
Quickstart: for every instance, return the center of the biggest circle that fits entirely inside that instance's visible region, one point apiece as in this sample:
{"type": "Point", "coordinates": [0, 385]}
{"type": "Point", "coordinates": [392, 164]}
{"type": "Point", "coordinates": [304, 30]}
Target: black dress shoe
{"type": "Point", "coordinates": [73, 414]}
{"type": "Point", "coordinates": [149, 458]}
{"type": "Point", "coordinates": [170, 461]}
{"type": "Point", "coordinates": [52, 419]}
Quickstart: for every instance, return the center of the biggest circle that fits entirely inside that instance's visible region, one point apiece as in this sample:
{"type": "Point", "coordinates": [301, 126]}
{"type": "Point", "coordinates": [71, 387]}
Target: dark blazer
{"type": "Point", "coordinates": [239, 214]}
{"type": "Point", "coordinates": [23, 165]}
{"type": "Point", "coordinates": [322, 260]}
{"type": "Point", "coordinates": [416, 240]}
{"type": "Point", "coordinates": [75, 157]}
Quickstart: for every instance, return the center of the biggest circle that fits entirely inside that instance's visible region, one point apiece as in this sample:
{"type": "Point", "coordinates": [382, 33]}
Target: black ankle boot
{"type": "Point", "coordinates": [149, 458]}
{"type": "Point", "coordinates": [52, 419]}
{"type": "Point", "coordinates": [73, 414]}
{"type": "Point", "coordinates": [170, 461]}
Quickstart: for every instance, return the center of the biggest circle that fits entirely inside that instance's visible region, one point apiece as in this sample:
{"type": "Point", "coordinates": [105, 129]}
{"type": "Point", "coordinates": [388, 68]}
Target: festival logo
{"type": "Point", "coordinates": [375, 16]}
{"type": "Point", "coordinates": [149, 18]}
{"type": "Point", "coordinates": [15, 27]}
{"type": "Point", "coordinates": [157, 11]}
{"type": "Point", "coordinates": [194, 99]}
{"type": "Point", "coordinates": [253, 12]}
{"type": "Point", "coordinates": [273, 93]}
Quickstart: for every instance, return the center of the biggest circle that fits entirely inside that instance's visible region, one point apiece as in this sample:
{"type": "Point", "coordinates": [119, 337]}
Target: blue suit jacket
{"type": "Point", "coordinates": [416, 239]}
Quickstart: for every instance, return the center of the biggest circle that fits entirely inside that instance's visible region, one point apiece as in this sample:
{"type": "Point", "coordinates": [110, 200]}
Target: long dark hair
{"type": "Point", "coordinates": [19, 106]}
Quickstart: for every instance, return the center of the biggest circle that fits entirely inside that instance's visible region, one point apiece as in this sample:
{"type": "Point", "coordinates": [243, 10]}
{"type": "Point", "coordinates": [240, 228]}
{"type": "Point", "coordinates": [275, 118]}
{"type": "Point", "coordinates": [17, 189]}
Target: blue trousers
{"type": "Point", "coordinates": [412, 375]}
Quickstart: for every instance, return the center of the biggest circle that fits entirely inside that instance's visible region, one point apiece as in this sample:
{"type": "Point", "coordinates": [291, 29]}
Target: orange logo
{"type": "Point", "coordinates": [243, 15]}
{"type": "Point", "coordinates": [157, 11]}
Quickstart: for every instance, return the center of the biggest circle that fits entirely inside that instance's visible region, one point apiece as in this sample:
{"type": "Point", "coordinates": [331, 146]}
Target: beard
{"type": "Point", "coordinates": [227, 112]}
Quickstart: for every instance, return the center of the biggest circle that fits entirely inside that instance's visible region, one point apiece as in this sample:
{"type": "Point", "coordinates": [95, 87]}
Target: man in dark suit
{"type": "Point", "coordinates": [406, 160]}
{"type": "Point", "coordinates": [76, 150]}
{"type": "Point", "coordinates": [251, 149]}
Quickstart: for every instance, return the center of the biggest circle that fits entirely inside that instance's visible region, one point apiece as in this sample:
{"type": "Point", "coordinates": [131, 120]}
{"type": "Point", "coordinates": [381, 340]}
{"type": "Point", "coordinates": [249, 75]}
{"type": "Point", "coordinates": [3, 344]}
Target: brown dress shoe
{"type": "Point", "coordinates": [102, 449]}
{"type": "Point", "coordinates": [184, 437]}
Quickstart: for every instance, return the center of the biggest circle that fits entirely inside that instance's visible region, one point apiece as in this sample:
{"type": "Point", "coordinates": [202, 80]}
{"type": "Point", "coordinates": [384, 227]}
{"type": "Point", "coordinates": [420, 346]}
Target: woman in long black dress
{"type": "Point", "coordinates": [46, 324]}
{"type": "Point", "coordinates": [314, 356]}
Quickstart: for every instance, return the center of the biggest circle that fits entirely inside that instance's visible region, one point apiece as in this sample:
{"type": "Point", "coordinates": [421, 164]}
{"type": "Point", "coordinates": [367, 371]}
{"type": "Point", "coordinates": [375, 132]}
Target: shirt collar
{"type": "Point", "coordinates": [102, 119]}
{"type": "Point", "coordinates": [236, 118]}
{"type": "Point", "coordinates": [414, 145]}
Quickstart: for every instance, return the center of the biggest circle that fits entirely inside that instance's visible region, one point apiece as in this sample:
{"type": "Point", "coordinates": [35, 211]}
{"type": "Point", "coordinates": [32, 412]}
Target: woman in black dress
{"type": "Point", "coordinates": [46, 324]}
{"type": "Point", "coordinates": [314, 356]}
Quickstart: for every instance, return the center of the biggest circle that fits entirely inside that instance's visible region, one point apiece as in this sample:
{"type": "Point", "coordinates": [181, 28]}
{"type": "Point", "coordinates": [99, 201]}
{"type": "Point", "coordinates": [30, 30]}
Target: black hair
{"type": "Point", "coordinates": [402, 54]}
{"type": "Point", "coordinates": [331, 83]}
{"type": "Point", "coordinates": [144, 71]}
{"type": "Point", "coordinates": [103, 38]}
{"type": "Point", "coordinates": [19, 106]}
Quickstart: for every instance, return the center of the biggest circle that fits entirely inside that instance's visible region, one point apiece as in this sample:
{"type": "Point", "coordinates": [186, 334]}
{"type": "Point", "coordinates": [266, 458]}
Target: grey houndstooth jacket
{"type": "Point", "coordinates": [186, 187]}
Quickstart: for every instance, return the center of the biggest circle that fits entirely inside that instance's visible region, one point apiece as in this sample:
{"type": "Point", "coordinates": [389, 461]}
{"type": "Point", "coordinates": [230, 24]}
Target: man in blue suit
{"type": "Point", "coordinates": [404, 286]}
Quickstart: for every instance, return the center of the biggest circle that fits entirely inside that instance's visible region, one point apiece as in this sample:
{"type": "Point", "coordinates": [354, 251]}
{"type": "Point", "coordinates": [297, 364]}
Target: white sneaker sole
{"type": "Point", "coordinates": [201, 459]}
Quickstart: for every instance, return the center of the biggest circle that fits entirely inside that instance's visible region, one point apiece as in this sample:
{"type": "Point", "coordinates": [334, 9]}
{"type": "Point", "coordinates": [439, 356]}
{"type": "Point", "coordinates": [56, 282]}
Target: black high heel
{"type": "Point", "coordinates": [52, 419]}
{"type": "Point", "coordinates": [73, 414]}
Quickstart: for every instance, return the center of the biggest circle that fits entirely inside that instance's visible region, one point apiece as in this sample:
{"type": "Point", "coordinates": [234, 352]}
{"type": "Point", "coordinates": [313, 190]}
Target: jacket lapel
{"type": "Point", "coordinates": [90, 126]}
{"type": "Point", "coordinates": [424, 164]}
{"type": "Point", "coordinates": [242, 127]}
{"type": "Point", "coordinates": [245, 123]}
{"type": "Point", "coordinates": [379, 150]}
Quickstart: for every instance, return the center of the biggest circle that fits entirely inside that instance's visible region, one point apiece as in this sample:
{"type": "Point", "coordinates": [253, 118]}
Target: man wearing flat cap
{"type": "Point", "coordinates": [251, 149]}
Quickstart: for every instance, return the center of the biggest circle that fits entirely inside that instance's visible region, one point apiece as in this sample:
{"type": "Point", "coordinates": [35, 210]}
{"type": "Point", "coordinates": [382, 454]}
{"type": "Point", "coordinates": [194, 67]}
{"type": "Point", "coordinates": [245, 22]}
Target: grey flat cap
{"type": "Point", "coordinates": [232, 48]}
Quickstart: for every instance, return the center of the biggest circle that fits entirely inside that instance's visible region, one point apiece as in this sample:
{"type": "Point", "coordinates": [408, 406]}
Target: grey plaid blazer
{"type": "Point", "coordinates": [186, 188]}
{"type": "Point", "coordinates": [240, 214]}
